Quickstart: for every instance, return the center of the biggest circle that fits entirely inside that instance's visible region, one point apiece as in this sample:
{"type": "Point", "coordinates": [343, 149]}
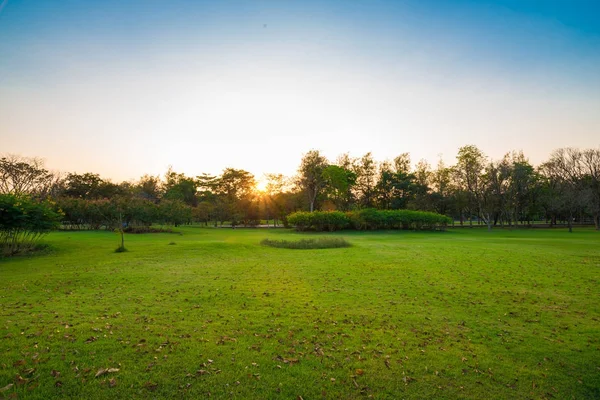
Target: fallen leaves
{"type": "Point", "coordinates": [151, 386]}
{"type": "Point", "coordinates": [103, 371]}
{"type": "Point", "coordinates": [7, 387]}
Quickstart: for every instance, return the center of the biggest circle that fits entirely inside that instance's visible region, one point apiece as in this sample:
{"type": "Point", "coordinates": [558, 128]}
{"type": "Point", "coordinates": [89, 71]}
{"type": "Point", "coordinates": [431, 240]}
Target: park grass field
{"type": "Point", "coordinates": [467, 313]}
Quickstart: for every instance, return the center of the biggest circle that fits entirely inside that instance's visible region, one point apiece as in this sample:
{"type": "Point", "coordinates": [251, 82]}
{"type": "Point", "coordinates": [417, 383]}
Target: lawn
{"type": "Point", "coordinates": [459, 314]}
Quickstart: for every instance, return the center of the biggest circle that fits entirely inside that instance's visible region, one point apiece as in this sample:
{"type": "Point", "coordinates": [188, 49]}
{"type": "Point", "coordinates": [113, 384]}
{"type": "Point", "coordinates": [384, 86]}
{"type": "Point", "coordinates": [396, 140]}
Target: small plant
{"type": "Point", "coordinates": [172, 243]}
{"type": "Point", "coordinates": [319, 243]}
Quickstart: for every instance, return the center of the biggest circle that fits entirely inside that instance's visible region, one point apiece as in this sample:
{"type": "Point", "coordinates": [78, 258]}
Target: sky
{"type": "Point", "coordinates": [127, 88]}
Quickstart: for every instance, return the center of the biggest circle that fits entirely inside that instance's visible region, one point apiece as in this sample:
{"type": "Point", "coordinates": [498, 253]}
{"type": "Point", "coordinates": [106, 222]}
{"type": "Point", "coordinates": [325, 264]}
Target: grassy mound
{"type": "Point", "coordinates": [318, 243]}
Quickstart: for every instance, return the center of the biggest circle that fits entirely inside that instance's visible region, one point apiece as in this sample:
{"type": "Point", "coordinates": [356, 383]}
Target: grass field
{"type": "Point", "coordinates": [457, 314]}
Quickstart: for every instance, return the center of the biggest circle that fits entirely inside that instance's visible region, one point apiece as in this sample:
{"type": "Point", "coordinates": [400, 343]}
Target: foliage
{"type": "Point", "coordinates": [509, 191]}
{"type": "Point", "coordinates": [310, 176]}
{"type": "Point", "coordinates": [174, 212]}
{"type": "Point", "coordinates": [314, 243]}
{"type": "Point", "coordinates": [318, 220]}
{"type": "Point", "coordinates": [23, 222]}
{"type": "Point", "coordinates": [368, 219]}
{"type": "Point", "coordinates": [108, 213]}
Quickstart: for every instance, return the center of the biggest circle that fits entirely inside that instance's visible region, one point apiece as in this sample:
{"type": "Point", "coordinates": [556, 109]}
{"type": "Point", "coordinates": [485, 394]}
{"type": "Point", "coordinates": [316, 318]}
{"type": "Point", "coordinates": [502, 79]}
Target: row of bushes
{"type": "Point", "coordinates": [132, 212]}
{"type": "Point", "coordinates": [367, 219]}
{"type": "Point", "coordinates": [23, 222]}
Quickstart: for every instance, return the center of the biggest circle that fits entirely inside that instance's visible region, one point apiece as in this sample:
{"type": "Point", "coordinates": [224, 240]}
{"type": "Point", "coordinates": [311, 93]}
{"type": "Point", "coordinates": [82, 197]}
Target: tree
{"type": "Point", "coordinates": [338, 183]}
{"type": "Point", "coordinates": [174, 212]}
{"type": "Point", "coordinates": [590, 161]}
{"type": "Point", "coordinates": [149, 188]}
{"type": "Point", "coordinates": [310, 176]}
{"type": "Point", "coordinates": [564, 170]}
{"type": "Point", "coordinates": [21, 175]}
{"type": "Point", "coordinates": [84, 186]}
{"type": "Point", "coordinates": [180, 187]}
{"type": "Point", "coordinates": [366, 180]}
{"type": "Point", "coordinates": [440, 181]}
{"type": "Point", "coordinates": [522, 191]}
{"type": "Point", "coordinates": [235, 189]}
{"type": "Point", "coordinates": [395, 187]}
{"type": "Point", "coordinates": [469, 168]}
{"type": "Point", "coordinates": [420, 188]}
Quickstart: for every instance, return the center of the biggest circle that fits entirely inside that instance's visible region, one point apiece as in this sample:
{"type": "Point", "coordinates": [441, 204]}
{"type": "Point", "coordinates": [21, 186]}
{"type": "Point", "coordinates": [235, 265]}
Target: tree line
{"type": "Point", "coordinates": [475, 190]}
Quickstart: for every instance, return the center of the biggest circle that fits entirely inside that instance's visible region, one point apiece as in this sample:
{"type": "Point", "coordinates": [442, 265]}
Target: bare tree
{"type": "Point", "coordinates": [590, 163]}
{"type": "Point", "coordinates": [22, 175]}
{"type": "Point", "coordinates": [565, 170]}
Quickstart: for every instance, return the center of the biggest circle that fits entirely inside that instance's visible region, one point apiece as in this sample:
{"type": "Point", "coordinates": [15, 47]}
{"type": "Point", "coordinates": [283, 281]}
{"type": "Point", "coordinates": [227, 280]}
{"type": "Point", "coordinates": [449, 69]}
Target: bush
{"type": "Point", "coordinates": [319, 220]}
{"type": "Point", "coordinates": [319, 243]}
{"type": "Point", "coordinates": [368, 219]}
{"type": "Point", "coordinates": [23, 222]}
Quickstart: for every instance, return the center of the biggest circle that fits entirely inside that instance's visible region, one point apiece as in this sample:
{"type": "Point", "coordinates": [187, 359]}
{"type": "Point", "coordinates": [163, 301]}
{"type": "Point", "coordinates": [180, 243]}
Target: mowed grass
{"type": "Point", "coordinates": [457, 314]}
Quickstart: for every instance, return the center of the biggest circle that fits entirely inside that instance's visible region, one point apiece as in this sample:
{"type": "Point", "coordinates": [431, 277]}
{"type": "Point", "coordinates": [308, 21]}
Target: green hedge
{"type": "Point", "coordinates": [367, 219]}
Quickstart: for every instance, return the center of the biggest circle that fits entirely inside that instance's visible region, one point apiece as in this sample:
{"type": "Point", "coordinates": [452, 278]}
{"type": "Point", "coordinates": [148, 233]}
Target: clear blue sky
{"type": "Point", "coordinates": [124, 88]}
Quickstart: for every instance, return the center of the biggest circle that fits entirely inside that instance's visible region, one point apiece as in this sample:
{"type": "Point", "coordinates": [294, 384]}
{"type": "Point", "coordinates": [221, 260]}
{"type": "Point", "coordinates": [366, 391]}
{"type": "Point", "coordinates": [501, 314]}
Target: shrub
{"type": "Point", "coordinates": [23, 222]}
{"type": "Point", "coordinates": [318, 243]}
{"type": "Point", "coordinates": [318, 220]}
{"type": "Point", "coordinates": [367, 219]}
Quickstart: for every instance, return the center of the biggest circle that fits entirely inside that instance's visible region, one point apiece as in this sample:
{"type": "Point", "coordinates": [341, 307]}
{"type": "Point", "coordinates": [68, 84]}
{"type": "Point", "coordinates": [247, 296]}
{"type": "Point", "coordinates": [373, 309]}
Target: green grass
{"type": "Point", "coordinates": [305, 244]}
{"type": "Point", "coordinates": [456, 314]}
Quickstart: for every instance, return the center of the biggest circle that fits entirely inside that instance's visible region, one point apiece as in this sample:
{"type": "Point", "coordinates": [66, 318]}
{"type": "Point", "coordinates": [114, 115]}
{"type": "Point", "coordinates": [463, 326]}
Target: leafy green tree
{"type": "Point", "coordinates": [235, 189]}
{"type": "Point", "coordinates": [83, 186]}
{"type": "Point", "coordinates": [338, 184]}
{"type": "Point", "coordinates": [174, 212]}
{"type": "Point", "coordinates": [440, 181]}
{"type": "Point", "coordinates": [366, 181]}
{"type": "Point", "coordinates": [180, 187]}
{"type": "Point", "coordinates": [149, 188]}
{"type": "Point", "coordinates": [310, 176]}
{"type": "Point", "coordinates": [396, 184]}
{"type": "Point", "coordinates": [468, 172]}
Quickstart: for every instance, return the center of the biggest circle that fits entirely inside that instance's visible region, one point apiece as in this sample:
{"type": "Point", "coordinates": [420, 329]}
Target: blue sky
{"type": "Point", "coordinates": [127, 88]}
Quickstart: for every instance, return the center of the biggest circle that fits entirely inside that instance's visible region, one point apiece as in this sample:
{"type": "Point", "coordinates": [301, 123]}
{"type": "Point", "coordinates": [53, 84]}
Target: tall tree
{"type": "Point", "coordinates": [149, 188]}
{"type": "Point", "coordinates": [469, 170]}
{"type": "Point", "coordinates": [235, 188]}
{"type": "Point", "coordinates": [310, 176]}
{"type": "Point", "coordinates": [440, 182]}
{"type": "Point", "coordinates": [338, 184]}
{"type": "Point", "coordinates": [366, 180]}
{"type": "Point", "coordinates": [83, 186]}
{"type": "Point", "coordinates": [565, 170]}
{"type": "Point", "coordinates": [590, 161]}
{"type": "Point", "coordinates": [177, 186]}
